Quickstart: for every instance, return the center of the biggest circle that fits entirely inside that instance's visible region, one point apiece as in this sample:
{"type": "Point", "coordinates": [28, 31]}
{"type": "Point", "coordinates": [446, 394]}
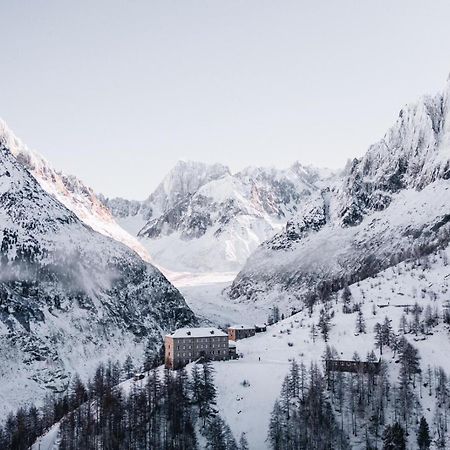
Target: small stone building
{"type": "Point", "coordinates": [237, 332]}
{"type": "Point", "coordinates": [186, 345]}
{"type": "Point", "coordinates": [338, 365]}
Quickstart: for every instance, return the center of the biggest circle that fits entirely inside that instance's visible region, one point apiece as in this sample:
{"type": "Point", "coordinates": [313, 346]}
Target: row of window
{"type": "Point", "coordinates": [189, 347]}
{"type": "Point", "coordinates": [189, 354]}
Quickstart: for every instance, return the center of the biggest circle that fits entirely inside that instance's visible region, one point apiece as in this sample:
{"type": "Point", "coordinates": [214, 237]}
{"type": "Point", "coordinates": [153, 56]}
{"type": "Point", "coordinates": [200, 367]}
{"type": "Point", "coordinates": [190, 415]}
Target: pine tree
{"type": "Point", "coordinates": [243, 443]}
{"type": "Point", "coordinates": [394, 437]}
{"type": "Point", "coordinates": [346, 297]}
{"type": "Point", "coordinates": [423, 435]}
{"type": "Point", "coordinates": [207, 398]}
{"type": "Point", "coordinates": [378, 337]}
{"type": "Point", "coordinates": [294, 379]}
{"type": "Point", "coordinates": [215, 434]}
{"type": "Point", "coordinates": [360, 323]}
{"type": "Point", "coordinates": [128, 367]}
{"type": "Point", "coordinates": [324, 325]}
{"type": "Point", "coordinates": [403, 325]}
{"type": "Point", "coordinates": [275, 314]}
{"type": "Point", "coordinates": [276, 427]}
{"type": "Point", "coordinates": [387, 333]}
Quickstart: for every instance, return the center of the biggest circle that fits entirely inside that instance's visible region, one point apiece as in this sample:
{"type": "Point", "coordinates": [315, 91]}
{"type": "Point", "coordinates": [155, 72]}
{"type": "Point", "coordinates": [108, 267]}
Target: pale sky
{"type": "Point", "coordinates": [116, 92]}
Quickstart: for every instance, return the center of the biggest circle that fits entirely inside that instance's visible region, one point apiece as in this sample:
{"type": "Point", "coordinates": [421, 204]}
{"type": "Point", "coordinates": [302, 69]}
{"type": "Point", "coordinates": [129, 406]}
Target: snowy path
{"type": "Point", "coordinates": [49, 440]}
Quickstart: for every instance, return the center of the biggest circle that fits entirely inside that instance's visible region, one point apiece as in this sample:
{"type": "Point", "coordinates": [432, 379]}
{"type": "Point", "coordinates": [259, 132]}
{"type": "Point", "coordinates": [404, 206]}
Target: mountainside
{"type": "Point", "coordinates": [391, 205]}
{"type": "Point", "coordinates": [203, 218]}
{"type": "Point", "coordinates": [69, 296]}
{"type": "Point", "coordinates": [70, 191]}
{"type": "Point", "coordinates": [408, 302]}
{"type": "Point", "coordinates": [412, 297]}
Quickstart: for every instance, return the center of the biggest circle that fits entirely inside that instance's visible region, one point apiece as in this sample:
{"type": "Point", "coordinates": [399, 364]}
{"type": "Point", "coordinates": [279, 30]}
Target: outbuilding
{"type": "Point", "coordinates": [242, 331]}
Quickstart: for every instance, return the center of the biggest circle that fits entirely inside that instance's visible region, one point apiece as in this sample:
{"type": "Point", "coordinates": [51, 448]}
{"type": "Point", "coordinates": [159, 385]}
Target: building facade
{"type": "Point", "coordinates": [237, 332]}
{"type": "Point", "coordinates": [186, 345]}
{"type": "Point", "coordinates": [339, 365]}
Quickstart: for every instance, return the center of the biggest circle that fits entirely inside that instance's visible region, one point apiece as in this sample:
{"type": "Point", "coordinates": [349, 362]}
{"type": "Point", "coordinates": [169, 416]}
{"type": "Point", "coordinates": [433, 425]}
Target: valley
{"type": "Point", "coordinates": [351, 264]}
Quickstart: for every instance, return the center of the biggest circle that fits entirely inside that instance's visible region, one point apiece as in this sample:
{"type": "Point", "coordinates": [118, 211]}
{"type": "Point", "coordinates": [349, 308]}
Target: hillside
{"type": "Point", "coordinates": [424, 281]}
{"type": "Point", "coordinates": [412, 297]}
{"type": "Point", "coordinates": [69, 296]}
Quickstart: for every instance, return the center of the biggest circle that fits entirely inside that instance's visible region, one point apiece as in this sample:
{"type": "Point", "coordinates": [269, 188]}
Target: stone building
{"type": "Point", "coordinates": [237, 332]}
{"type": "Point", "coordinates": [191, 344]}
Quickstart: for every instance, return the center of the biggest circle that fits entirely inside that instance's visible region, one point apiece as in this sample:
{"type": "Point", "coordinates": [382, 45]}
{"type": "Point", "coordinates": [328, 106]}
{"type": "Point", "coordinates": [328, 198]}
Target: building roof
{"type": "Point", "coordinates": [197, 332]}
{"type": "Point", "coordinates": [231, 344]}
{"type": "Point", "coordinates": [242, 327]}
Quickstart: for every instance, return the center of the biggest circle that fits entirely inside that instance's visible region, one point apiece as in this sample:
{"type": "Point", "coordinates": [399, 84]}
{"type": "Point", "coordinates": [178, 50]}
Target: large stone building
{"type": "Point", "coordinates": [190, 344]}
{"type": "Point", "coordinates": [237, 332]}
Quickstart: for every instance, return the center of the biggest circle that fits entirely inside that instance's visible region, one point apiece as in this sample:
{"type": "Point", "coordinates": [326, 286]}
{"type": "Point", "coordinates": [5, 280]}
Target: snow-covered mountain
{"type": "Point", "coordinates": [391, 205]}
{"type": "Point", "coordinates": [69, 296]}
{"type": "Point", "coordinates": [70, 191]}
{"type": "Point", "coordinates": [204, 218]}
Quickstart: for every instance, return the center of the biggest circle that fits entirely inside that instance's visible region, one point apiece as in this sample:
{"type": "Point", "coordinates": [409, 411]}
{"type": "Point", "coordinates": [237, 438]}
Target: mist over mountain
{"type": "Point", "coordinates": [69, 296]}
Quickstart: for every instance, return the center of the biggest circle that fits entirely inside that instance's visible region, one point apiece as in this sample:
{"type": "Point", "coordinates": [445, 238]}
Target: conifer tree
{"type": "Point", "coordinates": [243, 443]}
{"type": "Point", "coordinates": [423, 435]}
{"type": "Point", "coordinates": [394, 437]}
{"type": "Point", "coordinates": [360, 322]}
{"type": "Point", "coordinates": [128, 368]}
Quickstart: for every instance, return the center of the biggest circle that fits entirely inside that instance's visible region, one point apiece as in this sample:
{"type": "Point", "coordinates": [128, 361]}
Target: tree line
{"type": "Point", "coordinates": [164, 410]}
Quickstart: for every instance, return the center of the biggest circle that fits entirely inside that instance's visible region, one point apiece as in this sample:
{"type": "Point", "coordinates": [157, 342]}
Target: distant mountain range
{"type": "Point", "coordinates": [203, 218]}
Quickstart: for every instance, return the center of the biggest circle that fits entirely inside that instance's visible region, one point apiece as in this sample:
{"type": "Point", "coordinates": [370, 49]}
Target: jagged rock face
{"type": "Point", "coordinates": [184, 180]}
{"type": "Point", "coordinates": [226, 217]}
{"type": "Point", "coordinates": [70, 191]}
{"type": "Point", "coordinates": [121, 207]}
{"type": "Point", "coordinates": [371, 217]}
{"type": "Point", "coordinates": [69, 296]}
{"type": "Point", "coordinates": [411, 155]}
{"type": "Point", "coordinates": [203, 218]}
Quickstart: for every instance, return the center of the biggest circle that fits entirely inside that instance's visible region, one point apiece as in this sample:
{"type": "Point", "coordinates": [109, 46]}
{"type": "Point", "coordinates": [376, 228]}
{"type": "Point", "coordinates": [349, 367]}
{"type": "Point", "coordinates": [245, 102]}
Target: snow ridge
{"type": "Point", "coordinates": [70, 191]}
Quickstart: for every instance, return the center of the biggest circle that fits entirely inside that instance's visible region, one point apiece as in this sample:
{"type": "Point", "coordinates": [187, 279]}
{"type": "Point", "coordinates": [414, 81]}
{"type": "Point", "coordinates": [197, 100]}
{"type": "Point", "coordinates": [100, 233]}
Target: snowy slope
{"type": "Point", "coordinates": [70, 191]}
{"type": "Point", "coordinates": [390, 205]}
{"type": "Point", "coordinates": [425, 281]}
{"type": "Point", "coordinates": [205, 219]}
{"type": "Point", "coordinates": [266, 358]}
{"type": "Point", "coordinates": [69, 296]}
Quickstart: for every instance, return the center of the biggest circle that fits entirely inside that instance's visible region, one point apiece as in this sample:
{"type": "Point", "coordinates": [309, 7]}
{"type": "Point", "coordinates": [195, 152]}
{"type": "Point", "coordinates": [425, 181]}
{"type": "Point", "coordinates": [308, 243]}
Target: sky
{"type": "Point", "coordinates": [115, 92]}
